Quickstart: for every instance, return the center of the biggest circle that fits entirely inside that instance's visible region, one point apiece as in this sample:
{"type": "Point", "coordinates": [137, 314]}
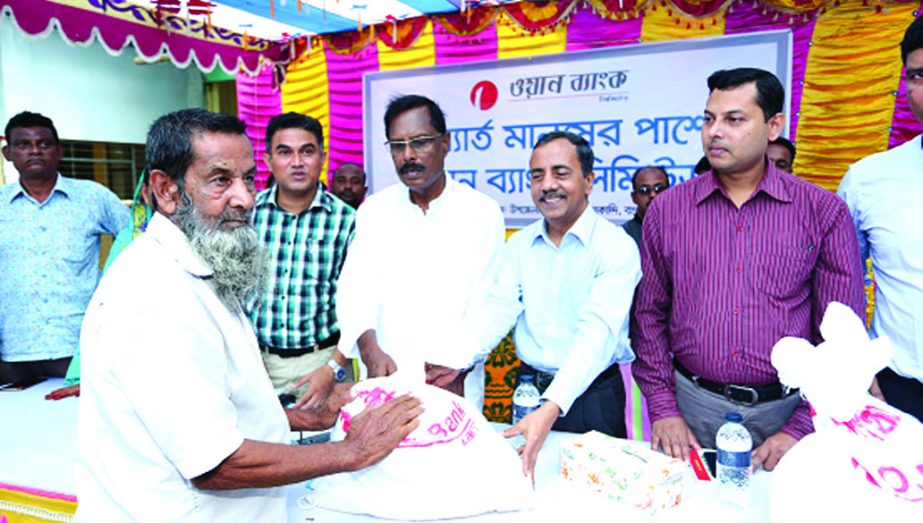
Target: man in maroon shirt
{"type": "Point", "coordinates": [734, 260]}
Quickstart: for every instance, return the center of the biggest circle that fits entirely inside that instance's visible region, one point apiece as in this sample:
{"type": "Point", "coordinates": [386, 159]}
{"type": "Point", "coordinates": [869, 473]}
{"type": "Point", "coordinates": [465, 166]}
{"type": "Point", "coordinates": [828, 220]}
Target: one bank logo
{"type": "Point", "coordinates": [484, 95]}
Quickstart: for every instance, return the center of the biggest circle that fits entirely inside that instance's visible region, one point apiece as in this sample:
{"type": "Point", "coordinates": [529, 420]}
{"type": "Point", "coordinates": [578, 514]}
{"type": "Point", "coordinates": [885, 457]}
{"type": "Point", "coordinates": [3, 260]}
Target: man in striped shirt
{"type": "Point", "coordinates": [733, 260]}
{"type": "Point", "coordinates": [306, 231]}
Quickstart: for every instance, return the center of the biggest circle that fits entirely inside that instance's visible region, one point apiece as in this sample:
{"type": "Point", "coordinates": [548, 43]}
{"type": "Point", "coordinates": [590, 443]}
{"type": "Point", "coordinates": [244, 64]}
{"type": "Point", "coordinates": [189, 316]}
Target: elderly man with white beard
{"type": "Point", "coordinates": [178, 419]}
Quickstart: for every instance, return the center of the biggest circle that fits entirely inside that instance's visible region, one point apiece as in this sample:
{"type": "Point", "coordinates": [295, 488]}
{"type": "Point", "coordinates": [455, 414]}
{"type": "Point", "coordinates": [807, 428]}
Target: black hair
{"type": "Point", "coordinates": [584, 151]}
{"type": "Point", "coordinates": [29, 119]}
{"type": "Point", "coordinates": [770, 95]}
{"type": "Point", "coordinates": [169, 140]}
{"type": "Point", "coordinates": [785, 142]}
{"type": "Point", "coordinates": [294, 121]}
{"type": "Point", "coordinates": [913, 39]}
{"type": "Point", "coordinates": [402, 104]}
{"type": "Point", "coordinates": [634, 177]}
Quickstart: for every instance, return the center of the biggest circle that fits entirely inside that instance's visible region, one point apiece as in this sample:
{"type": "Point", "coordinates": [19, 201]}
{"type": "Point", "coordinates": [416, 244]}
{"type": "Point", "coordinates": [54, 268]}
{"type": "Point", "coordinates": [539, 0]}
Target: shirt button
{"type": "Point", "coordinates": [740, 228]}
{"type": "Point", "coordinates": [736, 311]}
{"type": "Point", "coordinates": [736, 354]}
{"type": "Point", "coordinates": [739, 269]}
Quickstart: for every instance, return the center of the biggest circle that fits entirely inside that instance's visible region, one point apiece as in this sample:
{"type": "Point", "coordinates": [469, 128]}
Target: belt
{"type": "Point", "coordinates": [331, 341]}
{"type": "Point", "coordinates": [743, 394]}
{"type": "Point", "coordinates": [543, 379]}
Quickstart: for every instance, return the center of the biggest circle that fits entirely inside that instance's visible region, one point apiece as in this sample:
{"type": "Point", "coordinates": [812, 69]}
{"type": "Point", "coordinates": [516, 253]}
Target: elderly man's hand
{"type": "Point", "coordinates": [673, 437]}
{"type": "Point", "coordinates": [771, 451]}
{"type": "Point", "coordinates": [452, 380]}
{"type": "Point", "coordinates": [535, 427]}
{"type": "Point", "coordinates": [376, 360]}
{"type": "Point", "coordinates": [378, 430]}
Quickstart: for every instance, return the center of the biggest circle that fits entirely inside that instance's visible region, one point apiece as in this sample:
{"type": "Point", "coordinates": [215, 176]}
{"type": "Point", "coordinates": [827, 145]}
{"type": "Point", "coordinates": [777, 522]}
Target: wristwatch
{"type": "Point", "coordinates": [339, 373]}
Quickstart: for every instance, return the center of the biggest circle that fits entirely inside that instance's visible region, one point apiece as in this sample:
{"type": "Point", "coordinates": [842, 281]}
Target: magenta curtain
{"type": "Point", "coordinates": [344, 76]}
{"type": "Point", "coordinates": [257, 102]}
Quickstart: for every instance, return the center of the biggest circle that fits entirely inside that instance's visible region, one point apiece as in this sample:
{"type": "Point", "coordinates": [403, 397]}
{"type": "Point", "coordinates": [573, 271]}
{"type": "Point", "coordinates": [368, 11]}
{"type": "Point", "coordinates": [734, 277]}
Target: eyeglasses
{"type": "Point", "coordinates": [24, 145]}
{"type": "Point", "coordinates": [418, 144]}
{"type": "Point", "coordinates": [646, 190]}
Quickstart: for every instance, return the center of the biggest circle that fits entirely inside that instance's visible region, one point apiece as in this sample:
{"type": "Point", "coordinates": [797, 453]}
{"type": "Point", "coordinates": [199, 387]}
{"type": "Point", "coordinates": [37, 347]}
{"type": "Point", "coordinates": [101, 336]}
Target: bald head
{"type": "Point", "coordinates": [348, 183]}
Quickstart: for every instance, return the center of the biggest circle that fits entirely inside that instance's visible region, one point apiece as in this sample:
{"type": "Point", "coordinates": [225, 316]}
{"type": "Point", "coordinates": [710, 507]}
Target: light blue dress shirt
{"type": "Point", "coordinates": [570, 304]}
{"type": "Point", "coordinates": [885, 197]}
{"type": "Point", "coordinates": [49, 264]}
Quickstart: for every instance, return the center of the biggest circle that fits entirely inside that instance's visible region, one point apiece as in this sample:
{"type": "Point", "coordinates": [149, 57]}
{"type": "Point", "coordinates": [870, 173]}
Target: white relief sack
{"type": "Point", "coordinates": [454, 464]}
{"type": "Point", "coordinates": [865, 460]}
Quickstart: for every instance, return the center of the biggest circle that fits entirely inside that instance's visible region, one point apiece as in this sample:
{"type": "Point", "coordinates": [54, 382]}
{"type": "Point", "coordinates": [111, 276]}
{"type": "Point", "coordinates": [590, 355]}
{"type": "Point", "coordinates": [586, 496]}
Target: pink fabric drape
{"type": "Point", "coordinates": [744, 18]}
{"type": "Point", "coordinates": [257, 102]}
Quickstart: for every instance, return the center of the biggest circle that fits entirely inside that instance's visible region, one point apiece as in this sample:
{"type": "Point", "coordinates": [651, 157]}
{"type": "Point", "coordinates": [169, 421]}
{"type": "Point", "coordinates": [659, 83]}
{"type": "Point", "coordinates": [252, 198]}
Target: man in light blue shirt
{"type": "Point", "coordinates": [884, 192]}
{"type": "Point", "coordinates": [566, 282]}
{"type": "Point", "coordinates": [49, 251]}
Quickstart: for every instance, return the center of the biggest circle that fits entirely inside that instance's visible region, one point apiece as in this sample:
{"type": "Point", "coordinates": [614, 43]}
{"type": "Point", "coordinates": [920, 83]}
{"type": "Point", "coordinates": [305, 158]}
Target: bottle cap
{"type": "Point", "coordinates": [526, 378]}
{"type": "Point", "coordinates": [733, 417]}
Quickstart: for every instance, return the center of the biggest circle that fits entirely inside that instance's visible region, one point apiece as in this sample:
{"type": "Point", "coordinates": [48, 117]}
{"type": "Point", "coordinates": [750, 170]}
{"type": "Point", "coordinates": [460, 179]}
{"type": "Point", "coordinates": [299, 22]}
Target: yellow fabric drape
{"type": "Point", "coordinates": [512, 42]}
{"type": "Point", "coordinates": [421, 53]}
{"type": "Point", "coordinates": [852, 72]}
{"type": "Point", "coordinates": [22, 507]}
{"type": "Point", "coordinates": [305, 91]}
{"type": "Point", "coordinates": [661, 25]}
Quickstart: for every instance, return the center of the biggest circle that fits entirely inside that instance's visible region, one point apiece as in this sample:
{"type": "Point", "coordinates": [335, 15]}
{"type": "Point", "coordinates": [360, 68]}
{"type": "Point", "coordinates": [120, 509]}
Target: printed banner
{"type": "Point", "coordinates": [636, 105]}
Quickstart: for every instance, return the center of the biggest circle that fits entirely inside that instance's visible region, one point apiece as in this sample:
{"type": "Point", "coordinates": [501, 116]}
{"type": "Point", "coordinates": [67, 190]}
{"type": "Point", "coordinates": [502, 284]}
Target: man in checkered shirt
{"type": "Point", "coordinates": [306, 231]}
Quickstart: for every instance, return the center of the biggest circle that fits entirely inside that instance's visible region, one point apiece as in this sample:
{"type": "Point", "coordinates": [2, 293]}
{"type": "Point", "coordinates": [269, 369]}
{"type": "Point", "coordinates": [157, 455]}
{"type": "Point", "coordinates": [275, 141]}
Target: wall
{"type": "Point", "coordinates": [89, 94]}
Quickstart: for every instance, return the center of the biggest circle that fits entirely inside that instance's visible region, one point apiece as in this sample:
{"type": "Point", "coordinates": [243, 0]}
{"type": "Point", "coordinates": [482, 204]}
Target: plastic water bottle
{"type": "Point", "coordinates": [526, 398]}
{"type": "Point", "coordinates": [734, 446]}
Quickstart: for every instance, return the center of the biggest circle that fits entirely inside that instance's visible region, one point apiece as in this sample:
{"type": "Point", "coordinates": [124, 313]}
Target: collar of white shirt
{"type": "Point", "coordinates": [174, 241]}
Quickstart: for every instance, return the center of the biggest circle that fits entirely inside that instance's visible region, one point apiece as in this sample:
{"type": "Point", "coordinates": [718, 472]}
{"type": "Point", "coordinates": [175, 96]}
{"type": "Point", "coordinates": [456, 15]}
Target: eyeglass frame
{"type": "Point", "coordinates": [404, 143]}
{"type": "Point", "coordinates": [646, 190]}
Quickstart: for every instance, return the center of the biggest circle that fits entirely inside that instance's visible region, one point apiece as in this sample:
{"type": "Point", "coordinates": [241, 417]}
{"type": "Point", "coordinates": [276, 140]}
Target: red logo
{"type": "Point", "coordinates": [484, 95]}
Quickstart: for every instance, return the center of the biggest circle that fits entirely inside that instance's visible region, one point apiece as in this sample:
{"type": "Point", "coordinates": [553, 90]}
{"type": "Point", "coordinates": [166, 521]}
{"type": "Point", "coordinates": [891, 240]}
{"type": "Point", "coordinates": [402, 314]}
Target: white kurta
{"type": "Point", "coordinates": [411, 276]}
{"type": "Point", "coordinates": [172, 385]}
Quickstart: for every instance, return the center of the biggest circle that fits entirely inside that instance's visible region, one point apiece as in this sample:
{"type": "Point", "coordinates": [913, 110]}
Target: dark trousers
{"type": "Point", "coordinates": [601, 407]}
{"type": "Point", "coordinates": [902, 393]}
{"type": "Point", "coordinates": [25, 370]}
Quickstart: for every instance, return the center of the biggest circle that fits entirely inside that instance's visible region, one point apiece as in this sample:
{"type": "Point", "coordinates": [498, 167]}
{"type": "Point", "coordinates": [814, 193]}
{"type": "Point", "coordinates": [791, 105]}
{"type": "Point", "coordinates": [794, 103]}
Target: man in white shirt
{"type": "Point", "coordinates": [884, 192]}
{"type": "Point", "coordinates": [423, 250]}
{"type": "Point", "coordinates": [566, 282]}
{"type": "Point", "coordinates": [178, 420]}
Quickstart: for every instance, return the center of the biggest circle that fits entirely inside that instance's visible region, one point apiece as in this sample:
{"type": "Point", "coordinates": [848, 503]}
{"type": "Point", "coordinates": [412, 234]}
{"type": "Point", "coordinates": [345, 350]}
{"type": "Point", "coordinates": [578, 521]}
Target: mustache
{"type": "Point", "coordinates": [549, 194]}
{"type": "Point", "coordinates": [234, 215]}
{"type": "Point", "coordinates": [411, 166]}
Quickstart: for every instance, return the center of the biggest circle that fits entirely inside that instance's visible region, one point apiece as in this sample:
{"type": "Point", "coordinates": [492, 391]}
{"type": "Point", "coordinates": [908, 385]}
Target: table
{"type": "Point", "coordinates": [558, 499]}
{"type": "Point", "coordinates": [38, 445]}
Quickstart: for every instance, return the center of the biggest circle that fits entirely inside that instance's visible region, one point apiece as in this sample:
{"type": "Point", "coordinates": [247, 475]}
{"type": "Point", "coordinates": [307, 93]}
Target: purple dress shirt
{"type": "Point", "coordinates": [722, 285]}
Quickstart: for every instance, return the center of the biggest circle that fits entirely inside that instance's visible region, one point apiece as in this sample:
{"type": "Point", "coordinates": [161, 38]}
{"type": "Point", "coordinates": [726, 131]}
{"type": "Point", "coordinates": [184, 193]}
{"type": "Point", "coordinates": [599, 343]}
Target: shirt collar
{"type": "Point", "coordinates": [321, 198]}
{"type": "Point", "coordinates": [167, 234]}
{"type": "Point", "coordinates": [61, 184]}
{"type": "Point", "coordinates": [772, 184]}
{"type": "Point", "coordinates": [581, 230]}
{"type": "Point", "coordinates": [450, 186]}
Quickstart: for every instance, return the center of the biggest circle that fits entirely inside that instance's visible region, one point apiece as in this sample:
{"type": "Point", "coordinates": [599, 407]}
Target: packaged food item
{"type": "Point", "coordinates": [624, 471]}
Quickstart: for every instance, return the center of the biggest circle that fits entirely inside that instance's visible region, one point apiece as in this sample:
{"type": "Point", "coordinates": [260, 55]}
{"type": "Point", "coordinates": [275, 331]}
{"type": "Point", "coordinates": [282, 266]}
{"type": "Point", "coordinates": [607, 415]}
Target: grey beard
{"type": "Point", "coordinates": [235, 256]}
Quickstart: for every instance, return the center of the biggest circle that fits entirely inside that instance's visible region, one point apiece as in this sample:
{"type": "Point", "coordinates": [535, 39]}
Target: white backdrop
{"type": "Point", "coordinates": [636, 105]}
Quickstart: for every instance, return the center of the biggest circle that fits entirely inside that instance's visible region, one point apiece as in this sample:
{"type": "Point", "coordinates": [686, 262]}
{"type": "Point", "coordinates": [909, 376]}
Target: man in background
{"type": "Point", "coordinates": [782, 153]}
{"type": "Point", "coordinates": [50, 228]}
{"type": "Point", "coordinates": [646, 184]}
{"type": "Point", "coordinates": [348, 184]}
{"type": "Point", "coordinates": [884, 194]}
{"type": "Point", "coordinates": [306, 232]}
